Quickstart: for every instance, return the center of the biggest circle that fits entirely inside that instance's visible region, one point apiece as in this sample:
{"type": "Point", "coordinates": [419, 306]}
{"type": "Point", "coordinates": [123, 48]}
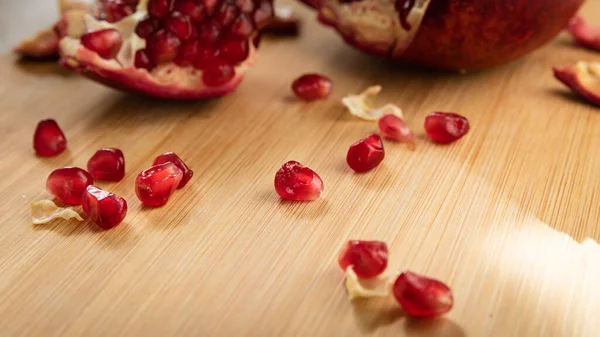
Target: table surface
{"type": "Point", "coordinates": [508, 216]}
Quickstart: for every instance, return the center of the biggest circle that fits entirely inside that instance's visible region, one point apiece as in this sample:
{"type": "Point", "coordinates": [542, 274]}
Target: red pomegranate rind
{"type": "Point", "coordinates": [368, 258]}
{"type": "Point", "coordinates": [68, 184]}
{"type": "Point", "coordinates": [171, 157]}
{"type": "Point", "coordinates": [585, 35]}
{"type": "Point", "coordinates": [107, 164]}
{"type": "Point", "coordinates": [106, 210]}
{"type": "Point", "coordinates": [583, 78]}
{"type": "Point", "coordinates": [421, 296]}
{"type": "Point", "coordinates": [295, 182]}
{"type": "Point", "coordinates": [366, 154]}
{"type": "Point", "coordinates": [310, 87]}
{"type": "Point", "coordinates": [44, 45]}
{"type": "Point", "coordinates": [446, 127]}
{"type": "Point", "coordinates": [48, 139]}
{"type": "Point", "coordinates": [155, 185]}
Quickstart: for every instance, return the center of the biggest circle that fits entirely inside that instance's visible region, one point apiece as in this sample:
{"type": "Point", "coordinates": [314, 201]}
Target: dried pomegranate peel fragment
{"type": "Point", "coordinates": [585, 35]}
{"type": "Point", "coordinates": [421, 296]}
{"type": "Point", "coordinates": [361, 105]}
{"type": "Point", "coordinates": [45, 211]}
{"type": "Point", "coordinates": [583, 78]}
{"type": "Point", "coordinates": [356, 287]}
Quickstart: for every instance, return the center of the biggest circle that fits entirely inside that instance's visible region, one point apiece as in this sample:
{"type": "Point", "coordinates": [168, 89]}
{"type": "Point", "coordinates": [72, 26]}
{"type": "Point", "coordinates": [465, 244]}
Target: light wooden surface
{"type": "Point", "coordinates": [508, 216]}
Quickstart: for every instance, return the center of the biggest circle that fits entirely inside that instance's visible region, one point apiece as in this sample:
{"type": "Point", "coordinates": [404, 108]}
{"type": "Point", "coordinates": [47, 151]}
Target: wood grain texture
{"type": "Point", "coordinates": [508, 216]}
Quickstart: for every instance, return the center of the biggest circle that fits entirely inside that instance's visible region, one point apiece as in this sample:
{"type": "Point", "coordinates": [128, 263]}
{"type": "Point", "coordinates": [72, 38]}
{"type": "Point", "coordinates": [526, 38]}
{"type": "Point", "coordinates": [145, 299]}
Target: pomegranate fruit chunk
{"type": "Point", "coordinates": [367, 258]}
{"type": "Point", "coordinates": [447, 34]}
{"type": "Point", "coordinates": [48, 139]}
{"type": "Point", "coordinates": [366, 154]}
{"type": "Point", "coordinates": [106, 210]}
{"type": "Point", "coordinates": [298, 183]}
{"type": "Point", "coordinates": [107, 164]}
{"type": "Point", "coordinates": [394, 128]}
{"type": "Point", "coordinates": [583, 78]}
{"type": "Point", "coordinates": [311, 87]}
{"type": "Point", "coordinates": [420, 296]}
{"type": "Point", "coordinates": [159, 47]}
{"type": "Point", "coordinates": [446, 127]}
{"type": "Point", "coordinates": [155, 185]}
{"type": "Point", "coordinates": [585, 35]}
{"type": "Point", "coordinates": [68, 184]}
{"type": "Point", "coordinates": [170, 157]}
{"type": "Point", "coordinates": [44, 45]}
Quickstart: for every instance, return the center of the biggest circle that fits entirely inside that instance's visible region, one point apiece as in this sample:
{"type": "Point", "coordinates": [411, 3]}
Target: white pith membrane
{"type": "Point", "coordinates": [166, 80]}
{"type": "Point", "coordinates": [588, 74]}
{"type": "Point", "coordinates": [361, 105]}
{"type": "Point", "coordinates": [380, 286]}
{"type": "Point", "coordinates": [374, 24]}
{"type": "Point", "coordinates": [45, 211]}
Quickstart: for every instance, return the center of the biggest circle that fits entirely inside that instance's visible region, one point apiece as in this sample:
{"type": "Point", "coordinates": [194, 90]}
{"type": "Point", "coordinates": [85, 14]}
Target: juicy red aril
{"type": "Point", "coordinates": [147, 27]}
{"type": "Point", "coordinates": [312, 86]}
{"type": "Point", "coordinates": [106, 42]}
{"type": "Point", "coordinates": [368, 258]}
{"type": "Point", "coordinates": [445, 127]}
{"type": "Point", "coordinates": [68, 184]}
{"type": "Point", "coordinates": [115, 10]}
{"type": "Point", "coordinates": [159, 8]}
{"type": "Point", "coordinates": [366, 154]}
{"type": "Point", "coordinates": [209, 33]}
{"type": "Point", "coordinates": [584, 34]}
{"type": "Point", "coordinates": [218, 73]}
{"type": "Point", "coordinates": [263, 14]}
{"type": "Point", "coordinates": [180, 26]}
{"type": "Point", "coordinates": [394, 128]}
{"type": "Point", "coordinates": [296, 182]}
{"type": "Point", "coordinates": [421, 296]}
{"type": "Point", "coordinates": [162, 47]}
{"type": "Point", "coordinates": [106, 210]}
{"type": "Point", "coordinates": [242, 27]}
{"type": "Point", "coordinates": [155, 185]}
{"type": "Point", "coordinates": [48, 139]}
{"type": "Point", "coordinates": [206, 56]}
{"type": "Point", "coordinates": [246, 6]}
{"type": "Point", "coordinates": [171, 157]}
{"type": "Point", "coordinates": [188, 54]}
{"type": "Point", "coordinates": [235, 51]}
{"type": "Point", "coordinates": [226, 14]}
{"type": "Point", "coordinates": [142, 60]}
{"type": "Point", "coordinates": [107, 164]}
{"type": "Point", "coordinates": [190, 8]}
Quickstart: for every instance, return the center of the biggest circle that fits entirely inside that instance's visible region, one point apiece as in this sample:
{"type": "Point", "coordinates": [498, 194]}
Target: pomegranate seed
{"type": "Point", "coordinates": [366, 154]}
{"type": "Point", "coordinates": [226, 14]}
{"type": "Point", "coordinates": [171, 157]}
{"type": "Point", "coordinates": [106, 42]}
{"type": "Point", "coordinates": [190, 8]}
{"type": "Point", "coordinates": [218, 73]}
{"type": "Point", "coordinates": [117, 9]}
{"type": "Point", "coordinates": [206, 57]}
{"type": "Point", "coordinates": [421, 296]}
{"type": "Point", "coordinates": [106, 210]}
{"type": "Point", "coordinates": [209, 33]}
{"type": "Point", "coordinates": [235, 51]}
{"type": "Point", "coordinates": [263, 14]}
{"type": "Point", "coordinates": [188, 53]}
{"type": "Point", "coordinates": [68, 184]}
{"type": "Point", "coordinates": [242, 26]}
{"type": "Point", "coordinates": [147, 27]}
{"type": "Point", "coordinates": [155, 185]}
{"type": "Point", "coordinates": [310, 87]}
{"type": "Point", "coordinates": [446, 127]}
{"type": "Point", "coordinates": [48, 139]}
{"type": "Point", "coordinates": [368, 258]}
{"type": "Point", "coordinates": [246, 6]}
{"type": "Point", "coordinates": [296, 182]}
{"type": "Point", "coordinates": [394, 128]}
{"type": "Point", "coordinates": [142, 60]}
{"type": "Point", "coordinates": [210, 6]}
{"type": "Point", "coordinates": [159, 8]}
{"type": "Point", "coordinates": [107, 164]}
{"type": "Point", "coordinates": [180, 26]}
{"type": "Point", "coordinates": [162, 47]}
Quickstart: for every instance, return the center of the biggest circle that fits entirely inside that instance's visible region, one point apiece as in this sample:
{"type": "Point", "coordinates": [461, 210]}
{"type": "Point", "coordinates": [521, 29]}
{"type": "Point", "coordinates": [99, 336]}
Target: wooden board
{"type": "Point", "coordinates": [508, 216]}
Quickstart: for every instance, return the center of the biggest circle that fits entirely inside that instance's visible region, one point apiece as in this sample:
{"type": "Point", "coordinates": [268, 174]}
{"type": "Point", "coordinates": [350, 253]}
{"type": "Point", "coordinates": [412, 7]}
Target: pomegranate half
{"type": "Point", "coordinates": [447, 34]}
{"type": "Point", "coordinates": [178, 49]}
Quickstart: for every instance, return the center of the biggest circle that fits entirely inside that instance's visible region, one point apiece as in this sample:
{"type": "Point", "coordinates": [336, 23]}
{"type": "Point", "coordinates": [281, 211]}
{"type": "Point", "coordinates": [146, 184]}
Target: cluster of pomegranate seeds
{"type": "Point", "coordinates": [394, 128]}
{"type": "Point", "coordinates": [106, 42]}
{"type": "Point", "coordinates": [174, 158]}
{"type": "Point", "coordinates": [68, 184]}
{"type": "Point", "coordinates": [48, 139]}
{"type": "Point", "coordinates": [107, 164]}
{"type": "Point", "coordinates": [115, 10]}
{"type": "Point", "coordinates": [155, 185]}
{"type": "Point", "coordinates": [421, 296]}
{"type": "Point", "coordinates": [584, 34]}
{"type": "Point", "coordinates": [107, 210]}
{"type": "Point", "coordinates": [296, 182]}
{"type": "Point", "coordinates": [446, 127]}
{"type": "Point", "coordinates": [367, 258]}
{"type": "Point", "coordinates": [310, 87]}
{"type": "Point", "coordinates": [366, 154]}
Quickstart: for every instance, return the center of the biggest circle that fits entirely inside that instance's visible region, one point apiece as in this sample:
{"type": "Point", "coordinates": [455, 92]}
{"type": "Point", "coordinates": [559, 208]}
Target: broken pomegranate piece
{"type": "Point", "coordinates": [583, 78]}
{"type": "Point", "coordinates": [45, 211]}
{"type": "Point", "coordinates": [585, 35]}
{"type": "Point", "coordinates": [420, 296]}
{"type": "Point", "coordinates": [296, 182]}
{"type": "Point", "coordinates": [356, 287]}
{"type": "Point", "coordinates": [178, 49]}
{"type": "Point", "coordinates": [106, 210]}
{"type": "Point", "coordinates": [107, 164]}
{"type": "Point", "coordinates": [68, 184]}
{"type": "Point", "coordinates": [44, 45]}
{"type": "Point", "coordinates": [284, 23]}
{"type": "Point", "coordinates": [366, 154]}
{"type": "Point", "coordinates": [446, 127]}
{"type": "Point", "coordinates": [311, 87]}
{"type": "Point", "coordinates": [394, 128]}
{"type": "Point", "coordinates": [48, 139]}
{"type": "Point", "coordinates": [171, 157]}
{"type": "Point", "coordinates": [368, 259]}
{"type": "Point", "coordinates": [155, 185]}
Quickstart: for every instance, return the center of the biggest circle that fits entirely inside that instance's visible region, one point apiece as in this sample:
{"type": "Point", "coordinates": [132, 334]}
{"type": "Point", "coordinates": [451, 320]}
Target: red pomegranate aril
{"type": "Point", "coordinates": [107, 210]}
{"type": "Point", "coordinates": [206, 56]}
{"type": "Point", "coordinates": [367, 258]}
{"type": "Point", "coordinates": [180, 26]}
{"type": "Point", "coordinates": [298, 183]}
{"type": "Point", "coordinates": [310, 87]}
{"type": "Point", "coordinates": [155, 185]}
{"type": "Point", "coordinates": [246, 6]}
{"type": "Point", "coordinates": [159, 8]}
{"type": "Point", "coordinates": [209, 33]}
{"type": "Point", "coordinates": [142, 60]}
{"type": "Point", "coordinates": [48, 139]}
{"type": "Point", "coordinates": [235, 51]}
{"type": "Point", "coordinates": [171, 157]}
{"type": "Point", "coordinates": [366, 154]}
{"type": "Point", "coordinates": [218, 73]}
{"type": "Point", "coordinates": [263, 14]}
{"type": "Point", "coordinates": [188, 54]}
{"type": "Point", "coordinates": [394, 128]}
{"type": "Point", "coordinates": [190, 8]}
{"type": "Point", "coordinates": [106, 42]}
{"type": "Point", "coordinates": [421, 296]}
{"type": "Point", "coordinates": [68, 184]}
{"type": "Point", "coordinates": [226, 14]}
{"type": "Point", "coordinates": [117, 9]}
{"type": "Point", "coordinates": [242, 27]}
{"type": "Point", "coordinates": [446, 127]}
{"type": "Point", "coordinates": [147, 27]}
{"type": "Point", "coordinates": [107, 164]}
{"type": "Point", "coordinates": [162, 47]}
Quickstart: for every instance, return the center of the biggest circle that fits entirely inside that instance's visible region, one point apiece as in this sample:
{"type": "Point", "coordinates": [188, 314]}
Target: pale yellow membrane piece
{"type": "Point", "coordinates": [380, 286]}
{"type": "Point", "coordinates": [45, 211]}
{"type": "Point", "coordinates": [361, 105]}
